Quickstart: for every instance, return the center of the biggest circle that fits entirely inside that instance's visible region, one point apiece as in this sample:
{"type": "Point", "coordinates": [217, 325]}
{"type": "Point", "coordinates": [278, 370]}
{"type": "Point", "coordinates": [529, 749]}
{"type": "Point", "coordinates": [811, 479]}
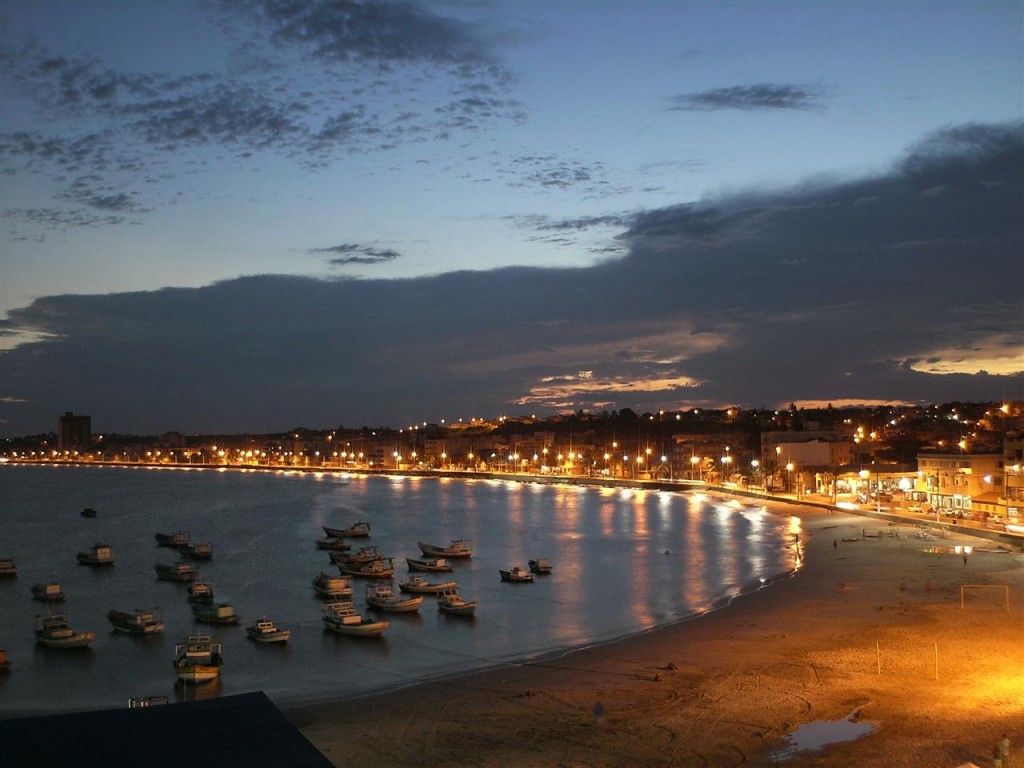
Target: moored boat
{"type": "Point", "coordinates": [431, 565]}
{"type": "Point", "coordinates": [375, 569]}
{"type": "Point", "coordinates": [334, 544]}
{"type": "Point", "coordinates": [198, 659]}
{"type": "Point", "coordinates": [88, 512]}
{"type": "Point", "coordinates": [197, 551]}
{"type": "Point", "coordinates": [540, 566]}
{"type": "Point", "coordinates": [362, 555]}
{"type": "Point", "coordinates": [383, 597]}
{"type": "Point", "coordinates": [517, 574]}
{"type": "Point", "coordinates": [359, 529]}
{"type": "Point", "coordinates": [263, 630]}
{"type": "Point", "coordinates": [200, 592]}
{"type": "Point", "coordinates": [332, 587]}
{"type": "Point", "coordinates": [5, 663]}
{"type": "Point", "coordinates": [50, 592]}
{"type": "Point", "coordinates": [98, 554]}
{"type": "Point", "coordinates": [215, 613]}
{"type": "Point", "coordinates": [419, 585]}
{"type": "Point", "coordinates": [458, 548]}
{"type": "Point", "coordinates": [450, 601]}
{"type": "Point", "coordinates": [177, 539]}
{"type": "Point", "coordinates": [53, 631]}
{"type": "Point", "coordinates": [8, 567]}
{"type": "Point", "coordinates": [138, 622]}
{"type": "Point", "coordinates": [341, 617]}
{"type": "Point", "coordinates": [182, 570]}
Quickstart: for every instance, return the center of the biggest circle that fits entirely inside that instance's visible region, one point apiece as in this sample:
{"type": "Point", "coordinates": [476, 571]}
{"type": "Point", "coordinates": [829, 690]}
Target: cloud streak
{"type": "Point", "coordinates": [761, 96]}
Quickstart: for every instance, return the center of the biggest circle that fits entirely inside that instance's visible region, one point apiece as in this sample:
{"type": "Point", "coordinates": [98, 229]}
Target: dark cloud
{"type": "Point", "coordinates": [807, 293]}
{"type": "Point", "coordinates": [750, 97]}
{"type": "Point", "coordinates": [350, 253]}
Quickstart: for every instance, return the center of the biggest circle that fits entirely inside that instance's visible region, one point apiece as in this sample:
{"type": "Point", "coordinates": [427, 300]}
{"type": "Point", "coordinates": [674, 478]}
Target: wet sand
{"type": "Point", "coordinates": [870, 629]}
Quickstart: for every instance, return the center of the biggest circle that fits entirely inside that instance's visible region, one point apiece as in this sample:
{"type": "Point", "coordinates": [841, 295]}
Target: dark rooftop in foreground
{"type": "Point", "coordinates": [244, 730]}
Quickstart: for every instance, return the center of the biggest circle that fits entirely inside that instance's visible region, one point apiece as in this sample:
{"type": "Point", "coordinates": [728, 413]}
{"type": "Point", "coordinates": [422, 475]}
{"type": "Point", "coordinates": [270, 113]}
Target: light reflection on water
{"type": "Point", "coordinates": [612, 574]}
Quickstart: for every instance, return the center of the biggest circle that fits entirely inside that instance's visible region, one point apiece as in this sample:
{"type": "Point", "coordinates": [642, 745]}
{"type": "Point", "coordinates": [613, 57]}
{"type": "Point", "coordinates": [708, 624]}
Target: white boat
{"type": "Point", "coordinates": [375, 569]}
{"type": "Point", "coordinates": [177, 539]}
{"type": "Point", "coordinates": [450, 601]}
{"type": "Point", "coordinates": [540, 566]}
{"type": "Point", "coordinates": [341, 617]}
{"type": "Point", "coordinates": [197, 551]}
{"type": "Point", "coordinates": [98, 554]}
{"type": "Point", "coordinates": [517, 574]}
{"type": "Point", "coordinates": [198, 659]}
{"type": "Point", "coordinates": [263, 630]}
{"type": "Point", "coordinates": [53, 631]}
{"type": "Point", "coordinates": [49, 592]}
{"type": "Point", "coordinates": [182, 570]}
{"type": "Point", "coordinates": [458, 548]}
{"type": "Point", "coordinates": [332, 587]}
{"type": "Point", "coordinates": [383, 597]}
{"type": "Point", "coordinates": [138, 622]}
{"type": "Point", "coordinates": [431, 565]}
{"type": "Point", "coordinates": [215, 613]}
{"type": "Point", "coordinates": [417, 584]}
{"type": "Point", "coordinates": [360, 529]}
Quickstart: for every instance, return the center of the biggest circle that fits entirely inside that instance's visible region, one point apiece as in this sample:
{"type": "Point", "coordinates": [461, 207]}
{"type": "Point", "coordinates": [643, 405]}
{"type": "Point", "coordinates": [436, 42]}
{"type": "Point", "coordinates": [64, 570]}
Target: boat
{"type": "Point", "coordinates": [88, 512]}
{"type": "Point", "coordinates": [182, 570]}
{"type": "Point", "coordinates": [363, 555]}
{"type": "Point", "coordinates": [517, 574]}
{"type": "Point", "coordinates": [458, 548]}
{"type": "Point", "coordinates": [375, 569]}
{"type": "Point", "coordinates": [5, 663]}
{"type": "Point", "coordinates": [53, 631]}
{"type": "Point", "coordinates": [8, 568]}
{"type": "Point", "coordinates": [263, 630]}
{"type": "Point", "coordinates": [215, 613]}
{"type": "Point", "coordinates": [51, 592]}
{"type": "Point", "coordinates": [358, 530]}
{"type": "Point", "coordinates": [147, 701]}
{"type": "Point", "coordinates": [417, 584]}
{"type": "Point", "coordinates": [138, 622]}
{"type": "Point", "coordinates": [450, 601]}
{"type": "Point", "coordinates": [98, 554]}
{"type": "Point", "coordinates": [334, 544]}
{"type": "Point", "coordinates": [383, 597]}
{"type": "Point", "coordinates": [197, 551]}
{"type": "Point", "coordinates": [200, 592]}
{"type": "Point", "coordinates": [332, 587]}
{"type": "Point", "coordinates": [540, 566]}
{"type": "Point", "coordinates": [432, 565]}
{"type": "Point", "coordinates": [177, 539]}
{"type": "Point", "coordinates": [198, 659]}
{"type": "Point", "coordinates": [341, 617]}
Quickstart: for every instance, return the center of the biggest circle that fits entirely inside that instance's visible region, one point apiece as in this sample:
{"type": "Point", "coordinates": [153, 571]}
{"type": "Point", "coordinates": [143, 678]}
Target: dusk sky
{"type": "Point", "coordinates": [254, 216]}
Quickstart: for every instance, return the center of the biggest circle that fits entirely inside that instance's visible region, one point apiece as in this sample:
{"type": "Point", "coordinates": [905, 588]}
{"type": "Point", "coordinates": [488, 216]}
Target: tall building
{"type": "Point", "coordinates": [75, 432]}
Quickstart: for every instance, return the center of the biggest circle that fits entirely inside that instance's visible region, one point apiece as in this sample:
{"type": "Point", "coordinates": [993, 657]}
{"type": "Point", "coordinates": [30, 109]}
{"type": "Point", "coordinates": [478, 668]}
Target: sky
{"type": "Point", "coordinates": [252, 216]}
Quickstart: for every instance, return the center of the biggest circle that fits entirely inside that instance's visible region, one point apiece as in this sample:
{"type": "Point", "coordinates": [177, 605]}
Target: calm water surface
{"type": "Point", "coordinates": [625, 561]}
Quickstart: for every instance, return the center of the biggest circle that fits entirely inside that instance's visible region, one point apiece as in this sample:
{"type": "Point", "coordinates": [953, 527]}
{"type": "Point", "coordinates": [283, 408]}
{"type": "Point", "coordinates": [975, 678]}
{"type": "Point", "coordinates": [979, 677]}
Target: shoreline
{"type": "Point", "coordinates": [724, 687]}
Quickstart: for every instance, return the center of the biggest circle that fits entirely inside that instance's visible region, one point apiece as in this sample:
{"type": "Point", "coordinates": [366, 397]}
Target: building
{"type": "Point", "coordinates": [962, 484]}
{"type": "Point", "coordinates": [74, 432]}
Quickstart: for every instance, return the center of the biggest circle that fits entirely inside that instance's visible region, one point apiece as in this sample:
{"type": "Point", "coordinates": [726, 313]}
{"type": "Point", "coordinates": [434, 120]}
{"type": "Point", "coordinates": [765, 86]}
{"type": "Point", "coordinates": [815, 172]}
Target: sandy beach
{"type": "Point", "coordinates": [869, 632]}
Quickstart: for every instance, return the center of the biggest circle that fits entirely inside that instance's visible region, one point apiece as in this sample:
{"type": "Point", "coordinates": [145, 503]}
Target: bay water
{"type": "Point", "coordinates": [625, 561]}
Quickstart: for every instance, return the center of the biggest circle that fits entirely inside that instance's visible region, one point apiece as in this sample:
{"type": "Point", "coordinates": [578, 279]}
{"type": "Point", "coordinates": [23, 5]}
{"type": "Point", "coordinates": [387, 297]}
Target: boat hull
{"type": "Point", "coordinates": [135, 624]}
{"type": "Point", "coordinates": [365, 629]}
{"type": "Point", "coordinates": [454, 552]}
{"type": "Point", "coordinates": [196, 673]}
{"type": "Point", "coordinates": [77, 640]}
{"type": "Point", "coordinates": [438, 565]}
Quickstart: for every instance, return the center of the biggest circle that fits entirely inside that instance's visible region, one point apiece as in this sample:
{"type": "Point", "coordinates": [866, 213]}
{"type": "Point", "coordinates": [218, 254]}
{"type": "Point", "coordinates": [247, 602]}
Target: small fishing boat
{"type": "Point", "coordinates": [198, 551]}
{"type": "Point", "coordinates": [200, 592]}
{"type": "Point", "coordinates": [341, 617]}
{"type": "Point", "coordinates": [431, 565]}
{"type": "Point", "coordinates": [332, 587]}
{"type": "Point", "coordinates": [198, 659]}
{"type": "Point", "coordinates": [98, 554]}
{"type": "Point", "coordinates": [375, 569]}
{"type": "Point", "coordinates": [450, 601]}
{"type": "Point", "coordinates": [383, 597]}
{"type": "Point", "coordinates": [334, 544]}
{"type": "Point", "coordinates": [215, 613]}
{"type": "Point", "coordinates": [49, 592]}
{"type": "Point", "coordinates": [263, 630]}
{"type": "Point", "coordinates": [8, 568]}
{"type": "Point", "coordinates": [518, 574]}
{"type": "Point", "coordinates": [540, 566]}
{"type": "Point", "coordinates": [176, 540]}
{"type": "Point", "coordinates": [182, 570]}
{"type": "Point", "coordinates": [138, 622]}
{"type": "Point", "coordinates": [458, 548]}
{"type": "Point", "coordinates": [358, 530]}
{"type": "Point", "coordinates": [363, 555]}
{"type": "Point", "coordinates": [53, 631]}
{"type": "Point", "coordinates": [147, 701]}
{"type": "Point", "coordinates": [88, 512]}
{"type": "Point", "coordinates": [5, 663]}
{"type": "Point", "coordinates": [419, 585]}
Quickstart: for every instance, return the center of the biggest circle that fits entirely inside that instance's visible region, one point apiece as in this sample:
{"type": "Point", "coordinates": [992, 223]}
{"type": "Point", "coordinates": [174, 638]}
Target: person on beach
{"type": "Point", "coordinates": [1004, 752]}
